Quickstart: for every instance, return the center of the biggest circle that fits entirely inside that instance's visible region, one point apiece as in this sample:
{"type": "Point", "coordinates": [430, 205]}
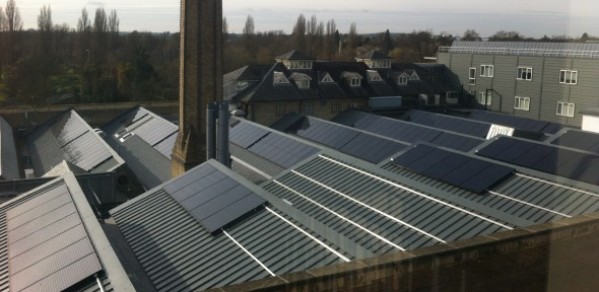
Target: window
{"type": "Point", "coordinates": [522, 103]}
{"type": "Point", "coordinates": [279, 78]}
{"type": "Point", "coordinates": [281, 109]}
{"type": "Point", "coordinates": [568, 76]}
{"type": "Point", "coordinates": [335, 107]}
{"type": "Point", "coordinates": [402, 80]}
{"type": "Point", "coordinates": [355, 82]}
{"type": "Point", "coordinates": [327, 79]}
{"type": "Point", "coordinates": [486, 70]}
{"type": "Point", "coordinates": [414, 76]}
{"type": "Point", "coordinates": [485, 99]}
{"type": "Point", "coordinates": [373, 76]}
{"type": "Point", "coordinates": [524, 73]}
{"type": "Point", "coordinates": [472, 76]}
{"type": "Point", "coordinates": [565, 109]}
{"type": "Point", "coordinates": [241, 85]}
{"type": "Point", "coordinates": [303, 84]}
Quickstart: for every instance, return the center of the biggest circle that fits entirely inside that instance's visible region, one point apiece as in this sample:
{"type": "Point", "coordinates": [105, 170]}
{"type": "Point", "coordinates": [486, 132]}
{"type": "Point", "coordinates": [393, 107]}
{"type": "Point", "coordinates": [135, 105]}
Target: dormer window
{"type": "Point", "coordinates": [327, 79]}
{"type": "Point", "coordinates": [241, 85]}
{"type": "Point", "coordinates": [353, 79]}
{"type": "Point", "coordinates": [373, 76]}
{"type": "Point", "coordinates": [381, 64]}
{"type": "Point", "coordinates": [301, 80]}
{"type": "Point", "coordinates": [402, 79]}
{"type": "Point", "coordinates": [298, 64]}
{"type": "Point", "coordinates": [279, 78]}
{"type": "Point", "coordinates": [414, 76]}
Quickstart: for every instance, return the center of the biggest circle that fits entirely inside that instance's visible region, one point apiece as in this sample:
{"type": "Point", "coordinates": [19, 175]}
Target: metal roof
{"type": "Point", "coordinates": [520, 123]}
{"type": "Point", "coordinates": [68, 137]}
{"type": "Point", "coordinates": [450, 123]}
{"type": "Point", "coordinates": [8, 153]}
{"type": "Point", "coordinates": [145, 141]}
{"type": "Point", "coordinates": [406, 132]}
{"type": "Point", "coordinates": [51, 241]}
{"type": "Point", "coordinates": [577, 139]}
{"type": "Point", "coordinates": [178, 253]}
{"type": "Point", "coordinates": [572, 50]}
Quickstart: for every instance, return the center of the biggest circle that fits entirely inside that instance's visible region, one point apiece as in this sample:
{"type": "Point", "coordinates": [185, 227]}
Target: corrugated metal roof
{"type": "Point", "coordinates": [555, 49]}
{"type": "Point", "coordinates": [177, 253]}
{"type": "Point", "coordinates": [68, 137]}
{"type": "Point", "coordinates": [8, 153]}
{"type": "Point", "coordinates": [46, 244]}
{"type": "Point", "coordinates": [450, 123]}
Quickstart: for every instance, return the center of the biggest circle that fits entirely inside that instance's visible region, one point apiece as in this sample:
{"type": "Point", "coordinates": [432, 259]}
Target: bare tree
{"type": "Point", "coordinates": [84, 24]}
{"type": "Point", "coordinates": [13, 17]}
{"type": "Point", "coordinates": [44, 20]}
{"type": "Point", "coordinates": [2, 20]}
{"type": "Point", "coordinates": [100, 21]}
{"type": "Point", "coordinates": [352, 39]}
{"type": "Point", "coordinates": [299, 33]}
{"type": "Point", "coordinates": [113, 22]}
{"type": "Point", "coordinates": [471, 35]}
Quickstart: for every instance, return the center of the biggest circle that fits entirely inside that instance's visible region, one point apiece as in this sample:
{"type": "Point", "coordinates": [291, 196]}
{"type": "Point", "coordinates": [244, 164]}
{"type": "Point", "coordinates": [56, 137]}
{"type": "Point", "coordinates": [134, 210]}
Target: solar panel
{"type": "Point", "coordinates": [579, 140]}
{"type": "Point", "coordinates": [246, 134]}
{"type": "Point", "coordinates": [332, 135]}
{"type": "Point", "coordinates": [47, 243]}
{"type": "Point", "coordinates": [526, 124]}
{"type": "Point", "coordinates": [545, 158]}
{"type": "Point", "coordinates": [455, 124]}
{"type": "Point", "coordinates": [282, 150]}
{"type": "Point", "coordinates": [371, 148]}
{"type": "Point", "coordinates": [460, 170]}
{"type": "Point", "coordinates": [213, 198]}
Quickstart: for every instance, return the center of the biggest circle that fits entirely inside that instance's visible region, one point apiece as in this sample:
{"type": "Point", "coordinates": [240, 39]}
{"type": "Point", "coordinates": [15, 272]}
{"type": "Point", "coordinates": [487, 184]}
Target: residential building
{"type": "Point", "coordinates": [544, 81]}
{"type": "Point", "coordinates": [298, 83]}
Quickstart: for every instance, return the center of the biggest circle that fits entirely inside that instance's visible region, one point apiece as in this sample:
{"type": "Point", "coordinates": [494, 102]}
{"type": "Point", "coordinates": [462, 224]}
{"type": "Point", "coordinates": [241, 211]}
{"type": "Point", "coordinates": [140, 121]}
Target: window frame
{"type": "Point", "coordinates": [522, 103]}
{"type": "Point", "coordinates": [487, 70]}
{"type": "Point", "coordinates": [472, 76]}
{"type": "Point", "coordinates": [565, 109]}
{"type": "Point", "coordinates": [573, 74]}
{"type": "Point", "coordinates": [524, 73]}
{"type": "Point", "coordinates": [480, 98]}
{"type": "Point", "coordinates": [280, 109]}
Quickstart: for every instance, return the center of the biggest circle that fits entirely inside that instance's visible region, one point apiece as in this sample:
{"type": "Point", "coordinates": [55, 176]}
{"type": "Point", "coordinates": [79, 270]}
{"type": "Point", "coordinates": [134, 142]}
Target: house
{"type": "Point", "coordinates": [545, 81]}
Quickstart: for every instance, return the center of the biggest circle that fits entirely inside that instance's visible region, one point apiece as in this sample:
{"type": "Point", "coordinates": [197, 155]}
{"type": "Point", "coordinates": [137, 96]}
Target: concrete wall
{"type": "Point", "coordinates": [557, 256]}
{"type": "Point", "coordinates": [27, 117]}
{"type": "Point", "coordinates": [544, 90]}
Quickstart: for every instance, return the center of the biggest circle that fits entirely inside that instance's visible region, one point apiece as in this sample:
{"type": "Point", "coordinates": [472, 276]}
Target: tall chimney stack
{"type": "Point", "coordinates": [200, 79]}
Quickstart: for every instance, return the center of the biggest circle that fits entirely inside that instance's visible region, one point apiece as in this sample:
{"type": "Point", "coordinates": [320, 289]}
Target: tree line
{"type": "Point", "coordinates": [95, 62]}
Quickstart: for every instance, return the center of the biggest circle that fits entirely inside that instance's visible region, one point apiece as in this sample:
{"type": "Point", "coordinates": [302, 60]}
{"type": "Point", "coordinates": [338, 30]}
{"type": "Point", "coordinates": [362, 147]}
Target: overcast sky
{"type": "Point", "coordinates": [529, 17]}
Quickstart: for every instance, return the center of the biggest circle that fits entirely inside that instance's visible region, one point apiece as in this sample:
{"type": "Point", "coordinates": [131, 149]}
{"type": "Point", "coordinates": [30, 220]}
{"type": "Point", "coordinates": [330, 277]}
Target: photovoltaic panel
{"type": "Point", "coordinates": [332, 135]}
{"type": "Point", "coordinates": [545, 158]}
{"type": "Point", "coordinates": [586, 141]}
{"type": "Point", "coordinates": [516, 122]}
{"type": "Point", "coordinates": [211, 197]}
{"type": "Point", "coordinates": [48, 244]}
{"type": "Point", "coordinates": [246, 134]}
{"type": "Point", "coordinates": [282, 150]}
{"type": "Point", "coordinates": [460, 170]}
{"type": "Point", "coordinates": [371, 148]}
{"type": "Point", "coordinates": [454, 124]}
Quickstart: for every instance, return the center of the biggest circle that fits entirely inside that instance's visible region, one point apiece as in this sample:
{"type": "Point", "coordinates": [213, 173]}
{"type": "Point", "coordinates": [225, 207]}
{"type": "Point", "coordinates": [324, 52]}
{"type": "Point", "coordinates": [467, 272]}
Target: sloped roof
{"type": "Point", "coordinates": [145, 141]}
{"type": "Point", "coordinates": [555, 49]}
{"type": "Point", "coordinates": [526, 124]}
{"type": "Point", "coordinates": [294, 55]}
{"type": "Point", "coordinates": [52, 239]}
{"type": "Point", "coordinates": [8, 153]}
{"type": "Point", "coordinates": [179, 253]}
{"type": "Point", "coordinates": [374, 55]}
{"type": "Point", "coordinates": [68, 137]}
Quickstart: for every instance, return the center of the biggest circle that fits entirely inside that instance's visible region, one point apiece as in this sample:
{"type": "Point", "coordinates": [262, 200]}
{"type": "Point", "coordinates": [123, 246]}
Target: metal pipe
{"type": "Point", "coordinates": [223, 134]}
{"type": "Point", "coordinates": [211, 113]}
{"type": "Point", "coordinates": [99, 283]}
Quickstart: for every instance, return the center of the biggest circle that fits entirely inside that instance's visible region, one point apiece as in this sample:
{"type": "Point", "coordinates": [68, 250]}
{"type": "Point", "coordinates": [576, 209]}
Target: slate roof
{"type": "Point", "coordinates": [52, 241]}
{"type": "Point", "coordinates": [68, 137]}
{"type": "Point", "coordinates": [145, 141]}
{"type": "Point", "coordinates": [178, 253]}
{"type": "Point", "coordinates": [375, 55]}
{"type": "Point", "coordinates": [294, 55]}
{"type": "Point", "coordinates": [407, 132]}
{"type": "Point", "coordinates": [8, 153]}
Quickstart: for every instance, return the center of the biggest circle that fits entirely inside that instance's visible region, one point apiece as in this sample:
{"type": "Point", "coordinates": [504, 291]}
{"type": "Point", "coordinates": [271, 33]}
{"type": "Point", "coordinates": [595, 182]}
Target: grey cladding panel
{"type": "Point", "coordinates": [246, 134]}
{"type": "Point", "coordinates": [212, 198]}
{"type": "Point", "coordinates": [86, 151]}
{"type": "Point", "coordinates": [456, 169]}
{"type": "Point", "coordinates": [48, 247]}
{"type": "Point", "coordinates": [546, 158]}
{"type": "Point", "coordinates": [155, 130]}
{"type": "Point", "coordinates": [68, 128]}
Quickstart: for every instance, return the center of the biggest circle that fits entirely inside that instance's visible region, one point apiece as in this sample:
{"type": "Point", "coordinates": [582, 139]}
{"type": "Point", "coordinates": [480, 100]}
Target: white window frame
{"type": "Point", "coordinates": [522, 103]}
{"type": "Point", "coordinates": [355, 82]}
{"type": "Point", "coordinates": [280, 109]}
{"type": "Point", "coordinates": [568, 77]}
{"type": "Point", "coordinates": [524, 73]}
{"type": "Point", "coordinates": [335, 107]}
{"type": "Point", "coordinates": [402, 79]}
{"type": "Point", "coordinates": [303, 84]}
{"type": "Point", "coordinates": [487, 70]}
{"type": "Point", "coordinates": [565, 109]}
{"type": "Point", "coordinates": [471, 76]}
{"type": "Point", "coordinates": [327, 79]}
{"type": "Point", "coordinates": [480, 98]}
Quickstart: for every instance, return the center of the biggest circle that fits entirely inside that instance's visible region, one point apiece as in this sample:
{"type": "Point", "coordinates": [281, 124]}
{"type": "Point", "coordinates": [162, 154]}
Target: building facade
{"type": "Point", "coordinates": [546, 81]}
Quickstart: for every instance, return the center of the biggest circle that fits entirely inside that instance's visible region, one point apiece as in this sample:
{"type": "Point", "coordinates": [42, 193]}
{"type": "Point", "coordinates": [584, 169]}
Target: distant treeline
{"type": "Point", "coordinates": [95, 62]}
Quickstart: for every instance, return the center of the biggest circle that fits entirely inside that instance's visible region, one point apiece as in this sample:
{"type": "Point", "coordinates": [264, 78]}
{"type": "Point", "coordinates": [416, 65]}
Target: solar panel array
{"type": "Point", "coordinates": [407, 132]}
{"type": "Point", "coordinates": [450, 123]}
{"type": "Point", "coordinates": [48, 247]}
{"type": "Point", "coordinates": [586, 141]}
{"type": "Point", "coordinates": [460, 170]}
{"type": "Point", "coordinates": [519, 123]}
{"type": "Point", "coordinates": [545, 158]}
{"type": "Point", "coordinates": [211, 197]}
{"type": "Point", "coordinates": [271, 146]}
{"type": "Point", "coordinates": [350, 141]}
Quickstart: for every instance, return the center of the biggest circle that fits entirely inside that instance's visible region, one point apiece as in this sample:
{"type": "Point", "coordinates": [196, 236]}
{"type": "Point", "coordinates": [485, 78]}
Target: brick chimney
{"type": "Point", "coordinates": [200, 79]}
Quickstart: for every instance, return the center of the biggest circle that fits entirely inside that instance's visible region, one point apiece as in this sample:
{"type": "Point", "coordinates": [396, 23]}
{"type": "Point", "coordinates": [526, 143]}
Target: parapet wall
{"type": "Point", "coordinates": [96, 114]}
{"type": "Point", "coordinates": [557, 256]}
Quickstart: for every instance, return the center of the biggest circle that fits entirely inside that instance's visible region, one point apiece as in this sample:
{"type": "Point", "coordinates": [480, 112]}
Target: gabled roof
{"type": "Point", "coordinates": [145, 141]}
{"type": "Point", "coordinates": [294, 56]}
{"type": "Point", "coordinates": [169, 231]}
{"type": "Point", "coordinates": [8, 153]}
{"type": "Point", "coordinates": [52, 241]}
{"type": "Point", "coordinates": [68, 137]}
{"type": "Point", "coordinates": [374, 55]}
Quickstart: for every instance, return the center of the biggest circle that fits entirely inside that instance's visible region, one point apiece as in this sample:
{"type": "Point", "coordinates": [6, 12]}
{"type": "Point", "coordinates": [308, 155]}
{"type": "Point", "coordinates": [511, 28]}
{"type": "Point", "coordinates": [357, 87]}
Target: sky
{"type": "Point", "coordinates": [533, 18]}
